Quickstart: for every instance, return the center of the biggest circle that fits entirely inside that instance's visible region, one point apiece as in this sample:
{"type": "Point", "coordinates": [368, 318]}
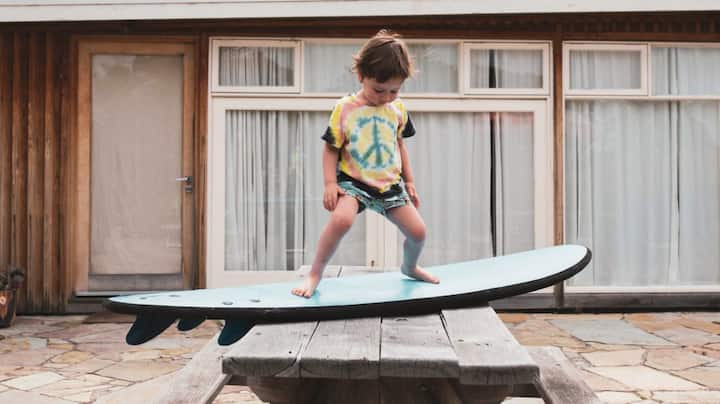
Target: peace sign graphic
{"type": "Point", "coordinates": [380, 153]}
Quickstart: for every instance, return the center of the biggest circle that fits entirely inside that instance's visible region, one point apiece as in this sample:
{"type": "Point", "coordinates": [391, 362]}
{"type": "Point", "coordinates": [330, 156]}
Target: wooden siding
{"type": "Point", "coordinates": [38, 64]}
{"type": "Point", "coordinates": [31, 92]}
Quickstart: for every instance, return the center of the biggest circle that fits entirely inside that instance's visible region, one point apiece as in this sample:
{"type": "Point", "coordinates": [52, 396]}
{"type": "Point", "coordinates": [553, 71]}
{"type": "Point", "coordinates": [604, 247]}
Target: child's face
{"type": "Point", "coordinates": [376, 93]}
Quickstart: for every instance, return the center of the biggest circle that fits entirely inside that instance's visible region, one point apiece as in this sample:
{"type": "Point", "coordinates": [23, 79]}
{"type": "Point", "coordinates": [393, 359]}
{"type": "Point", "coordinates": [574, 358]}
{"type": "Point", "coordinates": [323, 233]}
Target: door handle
{"type": "Point", "coordinates": [188, 180]}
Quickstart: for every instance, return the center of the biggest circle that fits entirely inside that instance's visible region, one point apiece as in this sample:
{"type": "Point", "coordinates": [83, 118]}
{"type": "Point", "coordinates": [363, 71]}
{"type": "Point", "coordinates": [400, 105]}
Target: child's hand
{"type": "Point", "coordinates": [412, 193]}
{"type": "Point", "coordinates": [330, 197]}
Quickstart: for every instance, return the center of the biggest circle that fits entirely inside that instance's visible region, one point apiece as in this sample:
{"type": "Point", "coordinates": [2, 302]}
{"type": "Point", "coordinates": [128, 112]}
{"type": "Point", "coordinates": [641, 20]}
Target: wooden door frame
{"type": "Point", "coordinates": [79, 168]}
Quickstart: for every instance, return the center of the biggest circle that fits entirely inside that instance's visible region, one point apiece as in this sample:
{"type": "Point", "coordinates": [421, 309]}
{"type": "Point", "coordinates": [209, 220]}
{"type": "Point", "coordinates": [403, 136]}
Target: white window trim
{"type": "Point", "coordinates": [217, 43]}
{"type": "Point", "coordinates": [642, 48]}
{"type": "Point", "coordinates": [467, 47]}
{"type": "Point", "coordinates": [649, 96]}
{"type": "Point", "coordinates": [298, 90]}
{"type": "Point", "coordinates": [385, 237]}
{"type": "Point", "coordinates": [690, 45]}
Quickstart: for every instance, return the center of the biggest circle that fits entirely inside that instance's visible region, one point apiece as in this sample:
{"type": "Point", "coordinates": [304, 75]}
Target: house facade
{"type": "Point", "coordinates": [164, 145]}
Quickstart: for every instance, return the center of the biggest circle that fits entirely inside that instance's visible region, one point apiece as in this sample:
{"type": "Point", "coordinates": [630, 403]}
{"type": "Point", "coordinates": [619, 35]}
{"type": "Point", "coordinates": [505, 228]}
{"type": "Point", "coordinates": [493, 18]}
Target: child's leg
{"type": "Point", "coordinates": [340, 222]}
{"type": "Point", "coordinates": [408, 220]}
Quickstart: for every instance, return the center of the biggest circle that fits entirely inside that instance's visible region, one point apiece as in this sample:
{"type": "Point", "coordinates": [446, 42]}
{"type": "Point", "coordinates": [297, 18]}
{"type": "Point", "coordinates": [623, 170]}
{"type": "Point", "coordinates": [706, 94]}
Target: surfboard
{"type": "Point", "coordinates": [462, 284]}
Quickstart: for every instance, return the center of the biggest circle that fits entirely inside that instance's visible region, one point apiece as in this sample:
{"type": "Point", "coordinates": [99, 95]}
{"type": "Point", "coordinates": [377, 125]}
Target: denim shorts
{"type": "Point", "coordinates": [380, 203]}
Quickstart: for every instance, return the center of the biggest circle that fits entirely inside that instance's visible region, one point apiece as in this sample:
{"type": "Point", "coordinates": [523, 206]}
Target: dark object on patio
{"type": "Point", "coordinates": [10, 282]}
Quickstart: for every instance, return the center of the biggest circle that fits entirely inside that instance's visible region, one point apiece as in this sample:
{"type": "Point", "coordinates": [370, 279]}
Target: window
{"type": "Point", "coordinates": [486, 160]}
{"type": "Point", "coordinates": [506, 68]}
{"type": "Point", "coordinates": [605, 69]}
{"type": "Point", "coordinates": [255, 66]}
{"type": "Point", "coordinates": [641, 172]}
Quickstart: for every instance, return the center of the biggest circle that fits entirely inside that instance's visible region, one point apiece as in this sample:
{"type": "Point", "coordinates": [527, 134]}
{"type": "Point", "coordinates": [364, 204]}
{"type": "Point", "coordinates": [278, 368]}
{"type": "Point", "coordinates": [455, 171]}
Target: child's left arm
{"type": "Point", "coordinates": [407, 174]}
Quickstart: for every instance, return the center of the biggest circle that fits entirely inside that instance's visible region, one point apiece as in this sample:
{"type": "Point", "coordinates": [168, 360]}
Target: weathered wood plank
{"type": "Point", "coordinates": [189, 267]}
{"type": "Point", "coordinates": [559, 382]}
{"type": "Point", "coordinates": [343, 349]}
{"type": "Point", "coordinates": [6, 104]}
{"type": "Point", "coordinates": [18, 233]}
{"type": "Point", "coordinates": [200, 380]}
{"type": "Point", "coordinates": [51, 186]}
{"type": "Point", "coordinates": [269, 350]}
{"type": "Point", "coordinates": [68, 111]}
{"type": "Point", "coordinates": [488, 353]}
{"type": "Point", "coordinates": [200, 158]}
{"type": "Point", "coordinates": [35, 171]}
{"type": "Point", "coordinates": [416, 346]}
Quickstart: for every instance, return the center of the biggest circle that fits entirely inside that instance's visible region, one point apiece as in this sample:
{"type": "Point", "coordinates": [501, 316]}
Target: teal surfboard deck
{"type": "Point", "coordinates": [462, 284]}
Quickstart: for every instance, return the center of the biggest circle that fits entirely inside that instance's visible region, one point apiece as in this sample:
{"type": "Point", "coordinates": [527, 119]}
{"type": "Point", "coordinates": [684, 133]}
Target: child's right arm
{"type": "Point", "coordinates": [332, 190]}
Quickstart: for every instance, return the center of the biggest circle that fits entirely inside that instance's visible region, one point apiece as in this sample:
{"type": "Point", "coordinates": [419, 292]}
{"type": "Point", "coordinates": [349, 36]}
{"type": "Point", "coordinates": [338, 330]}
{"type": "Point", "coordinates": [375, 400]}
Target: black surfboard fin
{"type": "Point", "coordinates": [146, 327]}
{"type": "Point", "coordinates": [233, 331]}
{"type": "Point", "coordinates": [188, 323]}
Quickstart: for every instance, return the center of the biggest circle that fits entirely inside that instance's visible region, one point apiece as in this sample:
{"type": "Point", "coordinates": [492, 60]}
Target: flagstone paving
{"type": "Point", "coordinates": [639, 358]}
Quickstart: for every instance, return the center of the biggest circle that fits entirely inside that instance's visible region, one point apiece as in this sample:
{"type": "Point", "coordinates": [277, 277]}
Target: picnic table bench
{"type": "Point", "coordinates": [455, 356]}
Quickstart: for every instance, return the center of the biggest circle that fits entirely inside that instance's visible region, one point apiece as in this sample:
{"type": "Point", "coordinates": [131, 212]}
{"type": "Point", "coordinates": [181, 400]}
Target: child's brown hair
{"type": "Point", "coordinates": [383, 57]}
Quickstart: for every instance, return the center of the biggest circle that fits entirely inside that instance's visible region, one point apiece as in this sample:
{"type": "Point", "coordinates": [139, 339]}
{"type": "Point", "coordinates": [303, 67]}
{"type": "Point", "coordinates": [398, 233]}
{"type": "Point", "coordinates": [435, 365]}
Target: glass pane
{"type": "Point", "coordinates": [686, 71]}
{"type": "Point", "coordinates": [652, 220]}
{"type": "Point", "coordinates": [136, 156]}
{"type": "Point", "coordinates": [249, 66]}
{"type": "Point", "coordinates": [328, 68]}
{"type": "Point", "coordinates": [437, 66]}
{"type": "Point", "coordinates": [480, 202]}
{"type": "Point", "coordinates": [502, 68]}
{"type": "Point", "coordinates": [273, 192]}
{"type": "Point", "coordinates": [601, 69]}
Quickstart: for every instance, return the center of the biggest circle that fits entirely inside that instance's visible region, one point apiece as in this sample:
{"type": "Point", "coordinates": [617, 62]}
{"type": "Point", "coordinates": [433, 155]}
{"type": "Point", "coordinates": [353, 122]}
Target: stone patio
{"type": "Point", "coordinates": [627, 358]}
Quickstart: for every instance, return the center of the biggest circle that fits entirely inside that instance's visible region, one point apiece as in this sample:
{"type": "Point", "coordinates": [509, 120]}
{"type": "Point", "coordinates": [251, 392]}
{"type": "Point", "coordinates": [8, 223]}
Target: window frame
{"type": "Point", "coordinates": [641, 47]}
{"type": "Point", "coordinates": [571, 290]}
{"type": "Point", "coordinates": [217, 43]}
{"type": "Point", "coordinates": [468, 46]}
{"type": "Point", "coordinates": [298, 90]}
{"type": "Point", "coordinates": [381, 241]}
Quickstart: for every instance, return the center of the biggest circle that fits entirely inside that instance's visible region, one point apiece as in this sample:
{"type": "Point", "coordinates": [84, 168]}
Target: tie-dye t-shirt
{"type": "Point", "coordinates": [367, 138]}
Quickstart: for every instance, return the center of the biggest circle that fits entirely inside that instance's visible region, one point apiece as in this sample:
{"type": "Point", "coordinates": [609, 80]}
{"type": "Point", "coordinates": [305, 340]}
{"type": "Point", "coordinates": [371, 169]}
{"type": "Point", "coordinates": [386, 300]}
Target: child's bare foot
{"type": "Point", "coordinates": [422, 275]}
{"type": "Point", "coordinates": [308, 287]}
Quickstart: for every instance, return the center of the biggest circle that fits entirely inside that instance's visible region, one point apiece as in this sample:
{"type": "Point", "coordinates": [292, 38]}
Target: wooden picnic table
{"type": "Point", "coordinates": [455, 356]}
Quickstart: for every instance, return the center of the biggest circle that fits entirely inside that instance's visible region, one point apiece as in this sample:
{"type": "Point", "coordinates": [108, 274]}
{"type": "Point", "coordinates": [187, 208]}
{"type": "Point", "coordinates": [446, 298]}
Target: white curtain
{"type": "Point", "coordinates": [256, 66]}
{"type": "Point", "coordinates": [437, 69]}
{"type": "Point", "coordinates": [643, 188]}
{"type": "Point", "coordinates": [519, 68]}
{"type": "Point", "coordinates": [686, 71]}
{"type": "Point", "coordinates": [328, 68]}
{"type": "Point", "coordinates": [514, 182]}
{"type": "Point", "coordinates": [461, 163]}
{"type": "Point", "coordinates": [501, 68]}
{"type": "Point", "coordinates": [273, 192]}
{"type": "Point", "coordinates": [605, 69]}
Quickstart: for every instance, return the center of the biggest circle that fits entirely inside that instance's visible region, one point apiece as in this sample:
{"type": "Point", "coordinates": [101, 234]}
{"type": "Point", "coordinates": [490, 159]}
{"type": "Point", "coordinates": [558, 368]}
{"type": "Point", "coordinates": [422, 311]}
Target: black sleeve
{"type": "Point", "coordinates": [330, 138]}
{"type": "Point", "coordinates": [409, 129]}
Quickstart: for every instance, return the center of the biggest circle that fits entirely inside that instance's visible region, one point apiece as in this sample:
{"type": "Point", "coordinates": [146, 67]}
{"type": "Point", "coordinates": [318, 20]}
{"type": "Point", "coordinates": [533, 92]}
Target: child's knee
{"type": "Point", "coordinates": [341, 222]}
{"type": "Point", "coordinates": [418, 233]}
